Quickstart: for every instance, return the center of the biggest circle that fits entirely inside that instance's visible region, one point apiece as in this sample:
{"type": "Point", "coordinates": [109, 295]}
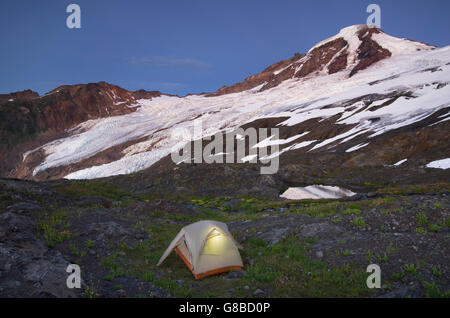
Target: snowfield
{"type": "Point", "coordinates": [159, 120]}
{"type": "Point", "coordinates": [439, 164]}
{"type": "Point", "coordinates": [316, 192]}
{"type": "Point", "coordinates": [399, 163]}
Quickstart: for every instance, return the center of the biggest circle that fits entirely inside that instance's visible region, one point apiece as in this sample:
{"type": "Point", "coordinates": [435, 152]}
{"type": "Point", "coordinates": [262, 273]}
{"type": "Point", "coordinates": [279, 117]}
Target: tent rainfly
{"type": "Point", "coordinates": [207, 248]}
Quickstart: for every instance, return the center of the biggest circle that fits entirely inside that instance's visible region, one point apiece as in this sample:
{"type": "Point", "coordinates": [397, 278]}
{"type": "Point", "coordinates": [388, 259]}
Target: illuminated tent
{"type": "Point", "coordinates": [207, 248]}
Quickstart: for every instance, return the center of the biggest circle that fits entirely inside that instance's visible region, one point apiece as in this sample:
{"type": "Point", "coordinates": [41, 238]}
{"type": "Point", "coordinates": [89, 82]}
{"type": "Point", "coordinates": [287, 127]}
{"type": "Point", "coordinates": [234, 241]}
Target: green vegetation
{"type": "Point", "coordinates": [411, 269]}
{"type": "Point", "coordinates": [416, 189]}
{"type": "Point", "coordinates": [382, 259]}
{"type": "Point", "coordinates": [287, 268]}
{"type": "Point", "coordinates": [318, 210]}
{"type": "Point", "coordinates": [114, 263]}
{"type": "Point", "coordinates": [90, 292]}
{"type": "Point", "coordinates": [420, 230]}
{"type": "Point", "coordinates": [359, 221]}
{"type": "Point", "coordinates": [284, 266]}
{"type": "Point", "coordinates": [350, 211]}
{"type": "Point", "coordinates": [90, 243]}
{"type": "Point", "coordinates": [75, 251]}
{"type": "Point", "coordinates": [18, 122]}
{"type": "Point", "coordinates": [433, 291]}
{"type": "Point", "coordinates": [148, 277]}
{"type": "Point", "coordinates": [391, 249]}
{"type": "Point", "coordinates": [422, 218]}
{"type": "Point", "coordinates": [436, 271]}
{"type": "Point", "coordinates": [398, 275]}
{"type": "Point", "coordinates": [384, 201]}
{"type": "Point", "coordinates": [54, 229]}
{"type": "Point", "coordinates": [434, 228]}
{"type": "Point", "coordinates": [92, 188]}
{"type": "Point", "coordinates": [346, 253]}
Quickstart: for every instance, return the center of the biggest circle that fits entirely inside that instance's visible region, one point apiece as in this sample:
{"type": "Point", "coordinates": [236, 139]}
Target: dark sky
{"type": "Point", "coordinates": [183, 46]}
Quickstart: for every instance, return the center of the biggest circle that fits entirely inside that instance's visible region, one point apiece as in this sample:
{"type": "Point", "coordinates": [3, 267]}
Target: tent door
{"type": "Point", "coordinates": [184, 253]}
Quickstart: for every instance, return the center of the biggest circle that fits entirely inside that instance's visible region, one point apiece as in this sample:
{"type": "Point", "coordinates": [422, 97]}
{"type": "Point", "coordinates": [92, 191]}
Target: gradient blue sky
{"type": "Point", "coordinates": [183, 46]}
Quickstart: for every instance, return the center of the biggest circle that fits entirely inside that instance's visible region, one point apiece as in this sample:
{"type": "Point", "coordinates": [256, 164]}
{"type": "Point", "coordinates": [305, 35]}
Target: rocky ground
{"type": "Point", "coordinates": [290, 248]}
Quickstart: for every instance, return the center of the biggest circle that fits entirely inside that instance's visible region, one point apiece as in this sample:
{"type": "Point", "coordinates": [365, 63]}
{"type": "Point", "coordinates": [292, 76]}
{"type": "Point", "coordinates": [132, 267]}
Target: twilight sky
{"type": "Point", "coordinates": [182, 47]}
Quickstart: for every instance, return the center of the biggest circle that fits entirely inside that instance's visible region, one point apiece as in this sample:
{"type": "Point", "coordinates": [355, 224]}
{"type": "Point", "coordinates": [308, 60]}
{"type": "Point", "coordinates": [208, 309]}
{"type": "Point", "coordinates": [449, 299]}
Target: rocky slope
{"type": "Point", "coordinates": [116, 234]}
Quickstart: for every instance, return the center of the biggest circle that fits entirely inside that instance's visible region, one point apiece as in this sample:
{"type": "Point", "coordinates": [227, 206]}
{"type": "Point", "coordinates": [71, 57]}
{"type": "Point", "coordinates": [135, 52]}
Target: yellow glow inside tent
{"type": "Point", "coordinates": [215, 243]}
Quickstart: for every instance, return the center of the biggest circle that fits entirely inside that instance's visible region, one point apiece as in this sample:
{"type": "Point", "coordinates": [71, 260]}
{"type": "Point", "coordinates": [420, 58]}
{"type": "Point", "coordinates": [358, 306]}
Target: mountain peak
{"type": "Point", "coordinates": [349, 34]}
{"type": "Point", "coordinates": [353, 49]}
{"type": "Point", "coordinates": [355, 34]}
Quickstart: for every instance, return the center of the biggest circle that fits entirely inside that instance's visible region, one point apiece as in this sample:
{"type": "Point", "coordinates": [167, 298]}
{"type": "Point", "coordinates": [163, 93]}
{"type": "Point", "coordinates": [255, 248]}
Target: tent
{"type": "Point", "coordinates": [207, 248]}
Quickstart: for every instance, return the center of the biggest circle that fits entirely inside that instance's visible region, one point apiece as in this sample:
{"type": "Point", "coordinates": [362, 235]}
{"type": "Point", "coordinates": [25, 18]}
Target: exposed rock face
{"type": "Point", "coordinates": [272, 75]}
{"type": "Point", "coordinates": [143, 94]}
{"type": "Point", "coordinates": [28, 120]}
{"type": "Point", "coordinates": [93, 99]}
{"type": "Point", "coordinates": [68, 105]}
{"type": "Point", "coordinates": [33, 263]}
{"type": "Point", "coordinates": [23, 95]}
{"type": "Point", "coordinates": [321, 56]}
{"type": "Point", "coordinates": [369, 52]}
{"type": "Point", "coordinates": [62, 108]}
{"type": "Point", "coordinates": [27, 267]}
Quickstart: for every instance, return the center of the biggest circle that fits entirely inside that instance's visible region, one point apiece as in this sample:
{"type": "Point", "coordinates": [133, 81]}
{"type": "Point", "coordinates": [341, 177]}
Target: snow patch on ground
{"type": "Point", "coordinates": [354, 148]}
{"type": "Point", "coordinates": [399, 163]}
{"type": "Point", "coordinates": [302, 144]}
{"type": "Point", "coordinates": [269, 142]}
{"type": "Point", "coordinates": [249, 158]}
{"type": "Point", "coordinates": [399, 46]}
{"type": "Point", "coordinates": [439, 164]}
{"type": "Point", "coordinates": [316, 192]}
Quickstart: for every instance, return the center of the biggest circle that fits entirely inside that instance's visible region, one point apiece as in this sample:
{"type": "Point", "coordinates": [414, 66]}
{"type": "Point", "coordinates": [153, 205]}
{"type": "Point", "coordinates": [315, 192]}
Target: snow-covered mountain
{"type": "Point", "coordinates": [360, 98]}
